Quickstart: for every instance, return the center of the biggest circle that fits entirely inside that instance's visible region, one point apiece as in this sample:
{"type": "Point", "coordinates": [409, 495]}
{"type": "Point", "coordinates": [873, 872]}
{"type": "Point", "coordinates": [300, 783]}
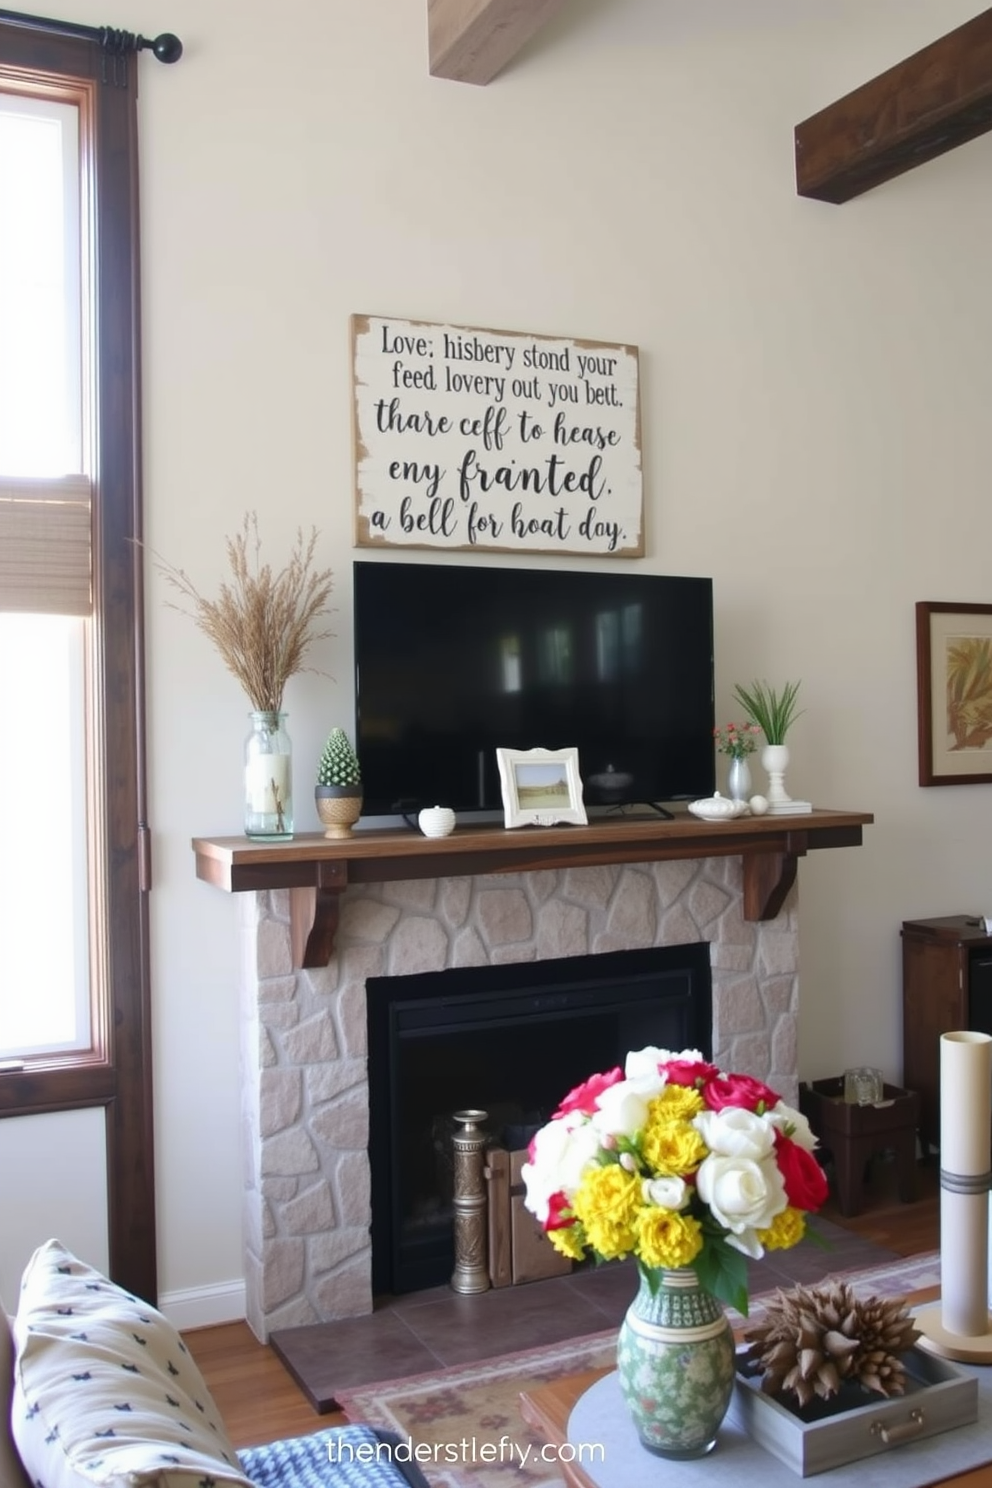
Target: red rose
{"type": "Point", "coordinates": [560, 1216]}
{"type": "Point", "coordinates": [805, 1184]}
{"type": "Point", "coordinates": [583, 1097]}
{"type": "Point", "coordinates": [738, 1090]}
{"type": "Point", "coordinates": [691, 1072]}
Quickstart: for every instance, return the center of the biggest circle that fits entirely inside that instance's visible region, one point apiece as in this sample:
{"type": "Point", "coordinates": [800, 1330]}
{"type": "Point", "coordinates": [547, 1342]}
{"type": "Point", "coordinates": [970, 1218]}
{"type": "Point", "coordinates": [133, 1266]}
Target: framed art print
{"type": "Point", "coordinates": [541, 787]}
{"type": "Point", "coordinates": [954, 692]}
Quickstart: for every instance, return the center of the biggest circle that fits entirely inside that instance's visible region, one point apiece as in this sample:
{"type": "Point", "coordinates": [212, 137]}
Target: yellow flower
{"type": "Point", "coordinates": [665, 1238]}
{"type": "Point", "coordinates": [568, 1241]}
{"type": "Point", "coordinates": [671, 1145]}
{"type": "Point", "coordinates": [606, 1204]}
{"type": "Point", "coordinates": [786, 1230]}
{"type": "Point", "coordinates": [676, 1102]}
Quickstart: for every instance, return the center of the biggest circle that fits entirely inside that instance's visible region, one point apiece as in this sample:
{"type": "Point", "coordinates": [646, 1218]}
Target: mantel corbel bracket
{"type": "Point", "coordinates": [768, 877]}
{"type": "Point", "coordinates": [314, 913]}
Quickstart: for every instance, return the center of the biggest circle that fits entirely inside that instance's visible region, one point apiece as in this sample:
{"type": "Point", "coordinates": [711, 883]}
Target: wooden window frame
{"type": "Point", "coordinates": [119, 1078]}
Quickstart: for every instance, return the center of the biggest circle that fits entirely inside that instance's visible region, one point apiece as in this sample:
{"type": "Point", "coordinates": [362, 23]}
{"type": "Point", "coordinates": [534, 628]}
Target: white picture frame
{"type": "Point", "coordinates": [541, 787]}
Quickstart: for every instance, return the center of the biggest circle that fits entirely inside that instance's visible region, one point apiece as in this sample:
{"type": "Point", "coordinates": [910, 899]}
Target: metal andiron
{"type": "Point", "coordinates": [471, 1273]}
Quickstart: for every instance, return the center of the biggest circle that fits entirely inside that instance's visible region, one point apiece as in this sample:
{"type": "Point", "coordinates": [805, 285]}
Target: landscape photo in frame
{"type": "Point", "coordinates": [541, 787]}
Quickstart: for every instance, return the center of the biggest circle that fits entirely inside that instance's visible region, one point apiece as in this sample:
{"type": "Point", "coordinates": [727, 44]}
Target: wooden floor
{"type": "Point", "coordinates": [259, 1402]}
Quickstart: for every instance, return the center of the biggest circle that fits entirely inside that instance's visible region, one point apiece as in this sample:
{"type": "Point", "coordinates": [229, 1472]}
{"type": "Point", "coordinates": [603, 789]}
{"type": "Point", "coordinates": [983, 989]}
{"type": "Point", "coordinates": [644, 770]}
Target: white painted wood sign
{"type": "Point", "coordinates": [499, 440]}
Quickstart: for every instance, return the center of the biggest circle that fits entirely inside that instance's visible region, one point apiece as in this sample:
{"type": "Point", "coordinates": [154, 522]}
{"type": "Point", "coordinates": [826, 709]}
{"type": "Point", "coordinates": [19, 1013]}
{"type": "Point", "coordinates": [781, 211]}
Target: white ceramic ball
{"type": "Point", "coordinates": [436, 821]}
{"type": "Point", "coordinates": [758, 805]}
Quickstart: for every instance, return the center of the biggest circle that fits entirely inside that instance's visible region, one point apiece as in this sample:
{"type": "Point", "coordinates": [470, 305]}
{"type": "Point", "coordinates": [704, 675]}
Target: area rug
{"type": "Point", "coordinates": [468, 1418]}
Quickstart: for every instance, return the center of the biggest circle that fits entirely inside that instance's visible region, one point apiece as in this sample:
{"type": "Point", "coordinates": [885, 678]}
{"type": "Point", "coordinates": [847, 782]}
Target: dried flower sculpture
{"type": "Point", "coordinates": [261, 623]}
{"type": "Point", "coordinates": [814, 1339]}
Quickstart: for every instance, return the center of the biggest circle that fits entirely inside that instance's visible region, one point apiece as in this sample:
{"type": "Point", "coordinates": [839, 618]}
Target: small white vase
{"type": "Point", "coordinates": [436, 821]}
{"type": "Point", "coordinates": [739, 780]}
{"type": "Point", "coordinates": [775, 761]}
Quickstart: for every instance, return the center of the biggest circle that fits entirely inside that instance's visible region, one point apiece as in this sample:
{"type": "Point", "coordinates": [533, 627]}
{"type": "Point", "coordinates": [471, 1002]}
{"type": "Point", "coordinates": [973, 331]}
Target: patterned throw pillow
{"type": "Point", "coordinates": [105, 1391]}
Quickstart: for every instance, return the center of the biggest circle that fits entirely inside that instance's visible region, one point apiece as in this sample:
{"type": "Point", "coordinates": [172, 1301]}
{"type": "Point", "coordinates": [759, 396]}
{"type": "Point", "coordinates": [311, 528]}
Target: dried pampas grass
{"type": "Point", "coordinates": [261, 622]}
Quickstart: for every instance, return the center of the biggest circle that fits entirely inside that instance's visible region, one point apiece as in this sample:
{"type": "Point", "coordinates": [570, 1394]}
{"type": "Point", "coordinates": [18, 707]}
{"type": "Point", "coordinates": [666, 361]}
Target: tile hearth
{"type": "Point", "coordinates": [423, 1331]}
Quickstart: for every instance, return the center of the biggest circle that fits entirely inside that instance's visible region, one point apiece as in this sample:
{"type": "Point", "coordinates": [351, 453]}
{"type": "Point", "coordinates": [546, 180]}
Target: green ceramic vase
{"type": "Point", "coordinates": [675, 1363]}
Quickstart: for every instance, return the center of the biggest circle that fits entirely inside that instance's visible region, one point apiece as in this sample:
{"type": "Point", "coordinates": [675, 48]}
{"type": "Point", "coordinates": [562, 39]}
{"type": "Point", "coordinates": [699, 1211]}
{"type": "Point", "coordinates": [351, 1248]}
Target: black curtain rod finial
{"type": "Point", "coordinates": [167, 47]}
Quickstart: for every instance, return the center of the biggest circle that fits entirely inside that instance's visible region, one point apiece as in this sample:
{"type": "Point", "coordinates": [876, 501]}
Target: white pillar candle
{"type": "Point", "coordinates": [965, 1156]}
{"type": "Point", "coordinates": [267, 776]}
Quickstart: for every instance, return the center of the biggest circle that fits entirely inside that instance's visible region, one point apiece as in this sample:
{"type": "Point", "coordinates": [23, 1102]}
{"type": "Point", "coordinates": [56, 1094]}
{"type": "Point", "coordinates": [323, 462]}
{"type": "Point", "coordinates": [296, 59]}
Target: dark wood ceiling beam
{"type": "Point", "coordinates": [471, 41]}
{"type": "Point", "coordinates": [924, 106]}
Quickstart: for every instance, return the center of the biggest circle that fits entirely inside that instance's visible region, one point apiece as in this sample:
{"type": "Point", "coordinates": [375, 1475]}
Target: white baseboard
{"type": "Point", "coordinates": [202, 1307]}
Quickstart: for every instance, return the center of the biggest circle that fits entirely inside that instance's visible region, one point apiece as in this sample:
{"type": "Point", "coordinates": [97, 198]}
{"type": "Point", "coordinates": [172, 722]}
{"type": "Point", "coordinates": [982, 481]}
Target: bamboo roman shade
{"type": "Point", "coordinates": [45, 545]}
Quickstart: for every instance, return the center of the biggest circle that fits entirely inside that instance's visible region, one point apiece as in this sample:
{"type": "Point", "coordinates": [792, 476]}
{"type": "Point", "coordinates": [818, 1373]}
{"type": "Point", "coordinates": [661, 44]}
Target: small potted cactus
{"type": "Point", "coordinates": [338, 792]}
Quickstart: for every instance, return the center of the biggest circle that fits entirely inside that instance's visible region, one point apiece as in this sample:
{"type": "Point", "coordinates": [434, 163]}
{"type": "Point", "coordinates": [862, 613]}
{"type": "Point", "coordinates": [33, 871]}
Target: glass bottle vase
{"type": "Point", "coordinates": [268, 777]}
{"type": "Point", "coordinates": [675, 1364]}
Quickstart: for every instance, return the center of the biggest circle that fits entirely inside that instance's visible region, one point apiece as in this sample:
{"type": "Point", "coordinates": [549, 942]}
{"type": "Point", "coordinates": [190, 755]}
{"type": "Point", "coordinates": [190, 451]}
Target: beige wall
{"type": "Point", "coordinates": [815, 390]}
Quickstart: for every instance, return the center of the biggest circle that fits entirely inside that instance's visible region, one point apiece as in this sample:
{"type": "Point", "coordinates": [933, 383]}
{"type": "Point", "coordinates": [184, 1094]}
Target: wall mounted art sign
{"type": "Point", "coordinates": [954, 692]}
{"type": "Point", "coordinates": [498, 440]}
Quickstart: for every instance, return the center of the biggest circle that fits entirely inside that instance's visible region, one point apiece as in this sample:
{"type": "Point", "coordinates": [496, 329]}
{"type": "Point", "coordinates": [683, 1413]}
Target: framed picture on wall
{"type": "Point", "coordinates": [954, 692]}
{"type": "Point", "coordinates": [541, 787]}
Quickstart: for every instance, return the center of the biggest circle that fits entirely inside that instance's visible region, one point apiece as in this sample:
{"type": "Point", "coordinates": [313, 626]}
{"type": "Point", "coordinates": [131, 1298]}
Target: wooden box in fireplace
{"type": "Point", "coordinates": [519, 1250]}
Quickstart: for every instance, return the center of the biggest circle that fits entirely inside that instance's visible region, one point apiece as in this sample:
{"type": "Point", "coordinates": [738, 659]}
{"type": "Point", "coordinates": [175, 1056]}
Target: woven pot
{"type": "Point", "coordinates": [339, 807]}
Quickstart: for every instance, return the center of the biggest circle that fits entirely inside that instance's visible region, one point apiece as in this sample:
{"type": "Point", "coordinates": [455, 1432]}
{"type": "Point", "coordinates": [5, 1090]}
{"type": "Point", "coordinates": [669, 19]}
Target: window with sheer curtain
{"type": "Point", "coordinates": [74, 878]}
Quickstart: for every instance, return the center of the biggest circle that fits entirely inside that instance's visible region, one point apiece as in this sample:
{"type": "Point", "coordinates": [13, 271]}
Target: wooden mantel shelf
{"type": "Point", "coordinates": [317, 870]}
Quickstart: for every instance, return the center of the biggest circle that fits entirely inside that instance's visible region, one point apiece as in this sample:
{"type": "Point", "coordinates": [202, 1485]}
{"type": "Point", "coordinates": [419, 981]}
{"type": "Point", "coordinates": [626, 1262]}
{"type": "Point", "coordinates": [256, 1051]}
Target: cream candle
{"type": "Point", "coordinates": [267, 782]}
{"type": "Point", "coordinates": [960, 1326]}
{"type": "Point", "coordinates": [965, 1154]}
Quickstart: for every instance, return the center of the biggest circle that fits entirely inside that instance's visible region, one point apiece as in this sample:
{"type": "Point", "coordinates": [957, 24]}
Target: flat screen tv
{"type": "Point", "coordinates": [453, 662]}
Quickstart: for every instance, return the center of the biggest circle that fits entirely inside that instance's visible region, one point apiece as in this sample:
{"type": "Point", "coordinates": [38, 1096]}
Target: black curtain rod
{"type": "Point", "coordinates": [167, 48]}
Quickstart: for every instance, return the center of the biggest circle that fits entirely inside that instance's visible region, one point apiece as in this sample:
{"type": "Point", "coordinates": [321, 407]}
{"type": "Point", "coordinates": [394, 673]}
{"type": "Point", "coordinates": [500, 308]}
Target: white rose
{"type": "Point", "coordinates": [667, 1193]}
{"type": "Point", "coordinates": [740, 1193]}
{"type": "Point", "coordinates": [642, 1065]}
{"type": "Point", "coordinates": [794, 1124]}
{"type": "Point", "coordinates": [734, 1132]}
{"type": "Point", "coordinates": [641, 1070]}
{"type": "Point", "coordinates": [621, 1110]}
{"type": "Point", "coordinates": [562, 1151]}
{"type": "Point", "coordinates": [689, 1056]}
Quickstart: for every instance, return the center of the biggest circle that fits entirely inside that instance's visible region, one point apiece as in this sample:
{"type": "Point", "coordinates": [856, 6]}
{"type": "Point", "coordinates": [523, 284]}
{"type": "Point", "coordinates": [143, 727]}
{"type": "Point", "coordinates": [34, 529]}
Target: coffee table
{"type": "Point", "coordinates": [547, 1409]}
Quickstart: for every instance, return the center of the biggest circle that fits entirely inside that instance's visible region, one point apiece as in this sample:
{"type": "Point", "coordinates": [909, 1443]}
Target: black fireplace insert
{"type": "Point", "coordinates": [512, 1039]}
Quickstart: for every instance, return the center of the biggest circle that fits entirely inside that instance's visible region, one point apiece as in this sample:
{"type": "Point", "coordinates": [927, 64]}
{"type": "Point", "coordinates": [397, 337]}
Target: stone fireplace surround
{"type": "Point", "coordinates": [305, 1094]}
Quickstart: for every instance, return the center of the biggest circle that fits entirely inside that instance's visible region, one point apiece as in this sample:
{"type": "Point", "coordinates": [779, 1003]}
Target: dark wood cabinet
{"type": "Point", "coordinates": [945, 986]}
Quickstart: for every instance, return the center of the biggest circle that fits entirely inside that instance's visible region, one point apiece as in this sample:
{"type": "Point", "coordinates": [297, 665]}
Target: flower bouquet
{"type": "Point", "coordinates": [737, 739]}
{"type": "Point", "coordinates": [678, 1164]}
